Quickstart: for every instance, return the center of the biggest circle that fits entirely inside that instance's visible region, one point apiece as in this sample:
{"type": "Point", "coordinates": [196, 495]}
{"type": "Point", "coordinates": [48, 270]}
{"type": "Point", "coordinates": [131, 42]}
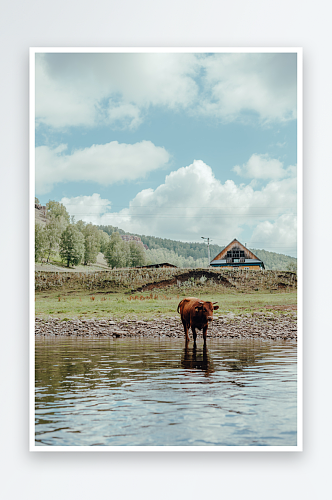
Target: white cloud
{"type": "Point", "coordinates": [80, 89]}
{"type": "Point", "coordinates": [124, 114]}
{"type": "Point", "coordinates": [102, 163]}
{"type": "Point", "coordinates": [86, 89]}
{"type": "Point", "coordinates": [282, 233]}
{"type": "Point", "coordinates": [240, 83]}
{"type": "Point", "coordinates": [60, 103]}
{"type": "Point", "coordinates": [263, 167]}
{"type": "Point", "coordinates": [88, 208]}
{"type": "Point", "coordinates": [192, 203]}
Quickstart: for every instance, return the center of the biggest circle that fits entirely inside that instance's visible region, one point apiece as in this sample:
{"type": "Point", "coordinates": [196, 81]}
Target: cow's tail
{"type": "Point", "coordinates": [178, 309]}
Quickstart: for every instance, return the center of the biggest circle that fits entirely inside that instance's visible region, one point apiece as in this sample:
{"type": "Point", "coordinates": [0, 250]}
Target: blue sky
{"type": "Point", "coordinates": [175, 145]}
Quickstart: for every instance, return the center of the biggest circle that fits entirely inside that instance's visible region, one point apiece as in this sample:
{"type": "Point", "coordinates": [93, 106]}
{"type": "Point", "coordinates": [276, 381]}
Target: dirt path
{"type": "Point", "coordinates": [100, 265]}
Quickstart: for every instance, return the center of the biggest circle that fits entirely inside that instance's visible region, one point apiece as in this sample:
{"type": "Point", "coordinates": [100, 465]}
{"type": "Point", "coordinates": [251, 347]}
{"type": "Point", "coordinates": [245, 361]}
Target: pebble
{"type": "Point", "coordinates": [261, 326]}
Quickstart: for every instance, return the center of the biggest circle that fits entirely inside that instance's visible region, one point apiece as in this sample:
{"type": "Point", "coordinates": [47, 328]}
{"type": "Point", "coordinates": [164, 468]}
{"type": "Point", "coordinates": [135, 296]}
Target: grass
{"type": "Point", "coordinates": [148, 305]}
{"type": "Point", "coordinates": [55, 260]}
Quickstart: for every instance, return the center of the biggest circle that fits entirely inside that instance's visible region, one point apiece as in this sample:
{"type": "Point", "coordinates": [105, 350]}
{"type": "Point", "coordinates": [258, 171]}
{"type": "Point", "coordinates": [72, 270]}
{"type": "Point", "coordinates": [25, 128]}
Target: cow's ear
{"type": "Point", "coordinates": [215, 308]}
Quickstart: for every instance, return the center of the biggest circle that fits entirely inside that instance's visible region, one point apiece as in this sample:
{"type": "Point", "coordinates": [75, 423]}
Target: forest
{"type": "Point", "coordinates": [59, 236]}
{"type": "Point", "coordinates": [184, 254]}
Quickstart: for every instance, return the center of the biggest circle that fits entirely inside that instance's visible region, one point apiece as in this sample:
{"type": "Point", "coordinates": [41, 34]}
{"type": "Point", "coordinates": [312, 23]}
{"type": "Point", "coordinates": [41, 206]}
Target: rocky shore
{"type": "Point", "coordinates": [248, 326]}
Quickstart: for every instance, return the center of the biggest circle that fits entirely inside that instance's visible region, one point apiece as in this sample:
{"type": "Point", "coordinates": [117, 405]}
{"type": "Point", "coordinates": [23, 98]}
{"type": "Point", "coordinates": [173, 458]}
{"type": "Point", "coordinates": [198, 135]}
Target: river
{"type": "Point", "coordinates": [148, 392]}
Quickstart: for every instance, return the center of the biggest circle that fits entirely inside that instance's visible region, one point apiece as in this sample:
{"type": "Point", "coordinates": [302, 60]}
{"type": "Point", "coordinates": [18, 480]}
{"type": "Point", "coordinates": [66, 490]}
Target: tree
{"type": "Point", "coordinates": [137, 254]}
{"type": "Point", "coordinates": [71, 245]}
{"type": "Point", "coordinates": [52, 232]}
{"type": "Point", "coordinates": [57, 209]}
{"type": "Point", "coordinates": [37, 202]}
{"type": "Point", "coordinates": [117, 253]}
{"type": "Point", "coordinates": [292, 266]}
{"type": "Point", "coordinates": [91, 243]}
{"type": "Point", "coordinates": [80, 225]}
{"type": "Point", "coordinates": [57, 221]}
{"type": "Point", "coordinates": [104, 241]}
{"type": "Point", "coordinates": [40, 241]}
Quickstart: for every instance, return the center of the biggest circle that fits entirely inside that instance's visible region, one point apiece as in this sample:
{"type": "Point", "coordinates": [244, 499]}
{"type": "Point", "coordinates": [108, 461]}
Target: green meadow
{"type": "Point", "coordinates": [149, 305]}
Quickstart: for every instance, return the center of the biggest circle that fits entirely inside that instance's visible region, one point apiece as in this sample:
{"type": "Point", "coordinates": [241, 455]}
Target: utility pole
{"type": "Point", "coordinates": [208, 244]}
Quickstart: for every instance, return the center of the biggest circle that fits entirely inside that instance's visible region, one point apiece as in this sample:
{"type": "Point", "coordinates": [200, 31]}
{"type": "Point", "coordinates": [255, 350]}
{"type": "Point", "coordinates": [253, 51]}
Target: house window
{"type": "Point", "coordinates": [235, 253]}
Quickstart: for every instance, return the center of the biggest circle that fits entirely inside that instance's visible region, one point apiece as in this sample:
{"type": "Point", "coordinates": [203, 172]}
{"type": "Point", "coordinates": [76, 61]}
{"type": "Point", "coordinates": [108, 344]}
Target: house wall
{"type": "Point", "coordinates": [232, 266]}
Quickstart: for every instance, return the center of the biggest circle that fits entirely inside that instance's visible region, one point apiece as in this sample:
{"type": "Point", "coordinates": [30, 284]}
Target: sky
{"type": "Point", "coordinates": [175, 145]}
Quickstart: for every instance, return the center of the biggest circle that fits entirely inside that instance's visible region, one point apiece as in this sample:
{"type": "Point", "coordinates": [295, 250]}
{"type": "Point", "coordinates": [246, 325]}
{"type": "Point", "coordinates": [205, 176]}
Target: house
{"type": "Point", "coordinates": [237, 256]}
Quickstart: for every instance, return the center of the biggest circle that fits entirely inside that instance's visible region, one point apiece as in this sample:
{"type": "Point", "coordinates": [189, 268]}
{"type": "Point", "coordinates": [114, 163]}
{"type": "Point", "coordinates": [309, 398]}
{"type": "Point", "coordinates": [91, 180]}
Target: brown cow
{"type": "Point", "coordinates": [196, 313]}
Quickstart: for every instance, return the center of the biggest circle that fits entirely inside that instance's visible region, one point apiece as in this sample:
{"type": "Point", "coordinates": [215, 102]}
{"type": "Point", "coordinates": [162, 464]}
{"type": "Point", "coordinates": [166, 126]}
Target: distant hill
{"type": "Point", "coordinates": [184, 254]}
{"type": "Point", "coordinates": [274, 261]}
{"type": "Point", "coordinates": [194, 250]}
{"type": "Point", "coordinates": [40, 214]}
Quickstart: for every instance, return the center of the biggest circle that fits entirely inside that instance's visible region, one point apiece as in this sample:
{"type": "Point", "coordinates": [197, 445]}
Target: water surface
{"type": "Point", "coordinates": [139, 392]}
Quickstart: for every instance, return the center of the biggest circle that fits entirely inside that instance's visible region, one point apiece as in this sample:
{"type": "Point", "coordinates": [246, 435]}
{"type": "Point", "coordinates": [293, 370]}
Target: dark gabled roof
{"type": "Point", "coordinates": [235, 242]}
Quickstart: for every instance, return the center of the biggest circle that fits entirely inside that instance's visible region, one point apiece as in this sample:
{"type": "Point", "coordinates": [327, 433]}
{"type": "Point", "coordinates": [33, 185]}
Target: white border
{"type": "Point", "coordinates": [31, 249]}
{"type": "Point", "coordinates": [300, 249]}
{"type": "Point", "coordinates": [299, 52]}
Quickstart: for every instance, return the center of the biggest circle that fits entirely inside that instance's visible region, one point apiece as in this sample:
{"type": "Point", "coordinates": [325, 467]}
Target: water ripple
{"type": "Point", "coordinates": [136, 392]}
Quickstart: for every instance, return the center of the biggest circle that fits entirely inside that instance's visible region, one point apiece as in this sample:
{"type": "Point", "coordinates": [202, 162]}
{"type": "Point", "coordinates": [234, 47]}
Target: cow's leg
{"type": "Point", "coordinates": [194, 333]}
{"type": "Point", "coordinates": [204, 333]}
{"type": "Point", "coordinates": [186, 333]}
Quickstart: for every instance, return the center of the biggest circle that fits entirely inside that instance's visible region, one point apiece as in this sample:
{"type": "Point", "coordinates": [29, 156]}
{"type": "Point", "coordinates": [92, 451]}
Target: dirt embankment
{"type": "Point", "coordinates": [263, 326]}
{"type": "Point", "coordinates": [191, 275]}
{"type": "Point", "coordinates": [140, 280]}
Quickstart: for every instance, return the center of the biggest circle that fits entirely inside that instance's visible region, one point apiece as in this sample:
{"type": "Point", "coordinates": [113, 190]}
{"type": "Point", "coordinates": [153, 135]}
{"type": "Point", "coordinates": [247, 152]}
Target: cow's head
{"type": "Point", "coordinates": [206, 309]}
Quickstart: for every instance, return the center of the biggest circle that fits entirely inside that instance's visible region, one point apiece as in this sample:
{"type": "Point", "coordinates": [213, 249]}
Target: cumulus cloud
{"type": "Point", "coordinates": [61, 103]}
{"type": "Point", "coordinates": [282, 233]}
{"type": "Point", "coordinates": [77, 89]}
{"type": "Point", "coordinates": [240, 83]}
{"type": "Point", "coordinates": [102, 163]}
{"type": "Point", "coordinates": [263, 167]}
{"type": "Point", "coordinates": [192, 203]}
{"type": "Point", "coordinates": [89, 89]}
{"type": "Point", "coordinates": [125, 115]}
{"type": "Point", "coordinates": [87, 208]}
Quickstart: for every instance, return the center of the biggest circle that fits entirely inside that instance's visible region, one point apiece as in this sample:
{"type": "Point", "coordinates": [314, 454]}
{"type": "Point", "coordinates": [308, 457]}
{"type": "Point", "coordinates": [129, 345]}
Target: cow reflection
{"type": "Point", "coordinates": [194, 358]}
